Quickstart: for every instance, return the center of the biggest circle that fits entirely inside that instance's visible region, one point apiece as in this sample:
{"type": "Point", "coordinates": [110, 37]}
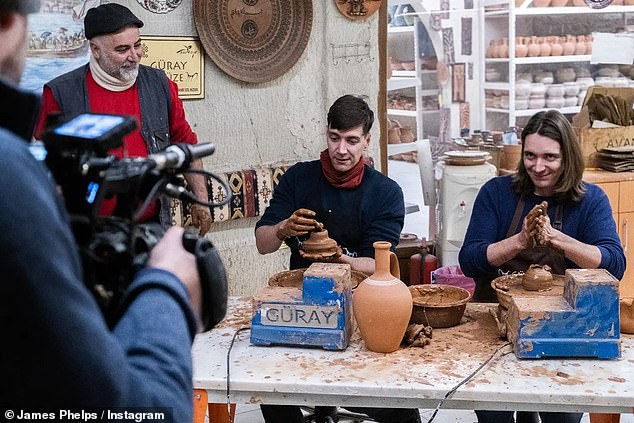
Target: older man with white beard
{"type": "Point", "coordinates": [115, 82]}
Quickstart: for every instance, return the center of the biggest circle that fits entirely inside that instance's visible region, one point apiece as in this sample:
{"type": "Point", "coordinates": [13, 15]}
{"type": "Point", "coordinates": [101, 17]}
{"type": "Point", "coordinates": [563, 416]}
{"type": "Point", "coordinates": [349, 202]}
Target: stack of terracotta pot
{"type": "Point", "coordinates": [534, 46]}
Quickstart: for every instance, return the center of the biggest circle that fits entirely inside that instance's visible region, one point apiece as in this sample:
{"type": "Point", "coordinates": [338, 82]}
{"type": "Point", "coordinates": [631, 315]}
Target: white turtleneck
{"type": "Point", "coordinates": [107, 81]}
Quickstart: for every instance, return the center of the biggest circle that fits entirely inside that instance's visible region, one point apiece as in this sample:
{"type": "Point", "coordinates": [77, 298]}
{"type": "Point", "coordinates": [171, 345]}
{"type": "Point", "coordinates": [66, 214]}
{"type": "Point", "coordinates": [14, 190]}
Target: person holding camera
{"type": "Point", "coordinates": [115, 82]}
{"type": "Point", "coordinates": [355, 203]}
{"type": "Point", "coordinates": [57, 351]}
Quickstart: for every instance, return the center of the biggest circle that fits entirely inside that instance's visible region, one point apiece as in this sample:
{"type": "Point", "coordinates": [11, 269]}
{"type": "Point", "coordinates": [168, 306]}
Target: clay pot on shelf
{"type": "Point", "coordinates": [541, 3]}
{"type": "Point", "coordinates": [555, 90]}
{"type": "Point", "coordinates": [579, 3]}
{"type": "Point", "coordinates": [566, 75]}
{"type": "Point", "coordinates": [544, 77]}
{"type": "Point", "coordinates": [555, 102]}
{"type": "Point", "coordinates": [524, 76]}
{"type": "Point", "coordinates": [407, 134]}
{"type": "Point", "coordinates": [556, 49]}
{"type": "Point", "coordinates": [491, 50]}
{"type": "Point", "coordinates": [521, 103]}
{"type": "Point", "coordinates": [588, 44]}
{"type": "Point", "coordinates": [571, 89]}
{"type": "Point", "coordinates": [492, 75]}
{"type": "Point", "coordinates": [503, 48]}
{"type": "Point", "coordinates": [581, 45]}
{"type": "Point", "coordinates": [569, 45]}
{"type": "Point", "coordinates": [544, 47]}
{"type": "Point", "coordinates": [538, 89]}
{"type": "Point", "coordinates": [521, 49]}
{"type": "Point", "coordinates": [382, 304]}
{"type": "Point", "coordinates": [394, 132]}
{"type": "Point", "coordinates": [536, 101]}
{"type": "Point", "coordinates": [533, 47]}
{"type": "Point", "coordinates": [558, 3]}
{"type": "Point", "coordinates": [522, 89]}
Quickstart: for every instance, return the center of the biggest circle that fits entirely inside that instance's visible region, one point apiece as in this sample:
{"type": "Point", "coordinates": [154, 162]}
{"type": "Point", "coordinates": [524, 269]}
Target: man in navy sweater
{"type": "Point", "coordinates": [355, 203]}
{"type": "Point", "coordinates": [578, 231]}
{"type": "Point", "coordinates": [57, 351]}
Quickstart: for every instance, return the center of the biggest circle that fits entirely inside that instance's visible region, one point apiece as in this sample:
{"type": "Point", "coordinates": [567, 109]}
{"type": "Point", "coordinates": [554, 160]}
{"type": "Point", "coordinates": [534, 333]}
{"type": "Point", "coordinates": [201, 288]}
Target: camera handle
{"type": "Point", "coordinates": [213, 278]}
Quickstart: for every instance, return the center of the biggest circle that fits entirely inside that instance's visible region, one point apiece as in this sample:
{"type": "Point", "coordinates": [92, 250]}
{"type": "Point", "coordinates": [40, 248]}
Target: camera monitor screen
{"type": "Point", "coordinates": [89, 131]}
{"type": "Point", "coordinates": [89, 126]}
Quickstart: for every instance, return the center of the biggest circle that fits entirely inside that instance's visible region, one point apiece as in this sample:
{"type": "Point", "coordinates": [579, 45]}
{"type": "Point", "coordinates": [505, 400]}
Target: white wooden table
{"type": "Point", "coordinates": [409, 377]}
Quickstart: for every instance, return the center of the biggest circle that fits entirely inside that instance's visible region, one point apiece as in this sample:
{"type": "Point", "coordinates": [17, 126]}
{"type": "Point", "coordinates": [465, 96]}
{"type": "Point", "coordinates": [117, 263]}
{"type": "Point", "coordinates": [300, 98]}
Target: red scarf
{"type": "Point", "coordinates": [347, 180]}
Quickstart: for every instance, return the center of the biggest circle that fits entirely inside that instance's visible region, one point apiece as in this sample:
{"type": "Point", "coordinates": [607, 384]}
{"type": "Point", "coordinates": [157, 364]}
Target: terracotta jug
{"type": "Point", "coordinates": [521, 50]}
{"type": "Point", "coordinates": [382, 304]}
{"type": "Point", "coordinates": [544, 47]}
{"type": "Point", "coordinates": [541, 3]}
{"type": "Point", "coordinates": [556, 49]}
{"type": "Point", "coordinates": [491, 49]}
{"type": "Point", "coordinates": [503, 48]}
{"type": "Point", "coordinates": [581, 45]}
{"type": "Point", "coordinates": [569, 45]}
{"type": "Point", "coordinates": [533, 47]}
{"type": "Point", "coordinates": [589, 44]}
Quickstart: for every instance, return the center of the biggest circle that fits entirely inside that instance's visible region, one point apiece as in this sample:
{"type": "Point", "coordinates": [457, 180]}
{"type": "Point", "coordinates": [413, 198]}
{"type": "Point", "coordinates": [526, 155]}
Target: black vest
{"type": "Point", "coordinates": [71, 94]}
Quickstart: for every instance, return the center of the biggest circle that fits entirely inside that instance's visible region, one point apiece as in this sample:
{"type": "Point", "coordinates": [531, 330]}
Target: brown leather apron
{"type": "Point", "coordinates": [540, 254]}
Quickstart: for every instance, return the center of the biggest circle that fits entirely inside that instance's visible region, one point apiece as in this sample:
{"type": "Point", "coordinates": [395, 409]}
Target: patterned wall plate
{"type": "Point", "coordinates": [254, 40]}
{"type": "Point", "coordinates": [160, 6]}
{"type": "Point", "coordinates": [357, 9]}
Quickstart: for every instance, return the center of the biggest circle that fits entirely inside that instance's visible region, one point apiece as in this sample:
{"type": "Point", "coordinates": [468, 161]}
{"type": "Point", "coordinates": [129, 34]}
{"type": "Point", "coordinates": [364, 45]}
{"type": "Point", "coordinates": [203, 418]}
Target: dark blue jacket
{"type": "Point", "coordinates": [588, 220]}
{"type": "Point", "coordinates": [355, 218]}
{"type": "Point", "coordinates": [56, 348]}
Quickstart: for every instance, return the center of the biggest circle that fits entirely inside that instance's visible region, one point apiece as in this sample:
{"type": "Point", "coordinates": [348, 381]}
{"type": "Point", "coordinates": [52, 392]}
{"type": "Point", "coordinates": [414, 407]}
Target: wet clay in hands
{"type": "Point", "coordinates": [320, 247]}
{"type": "Point", "coordinates": [301, 222]}
{"type": "Point", "coordinates": [535, 221]}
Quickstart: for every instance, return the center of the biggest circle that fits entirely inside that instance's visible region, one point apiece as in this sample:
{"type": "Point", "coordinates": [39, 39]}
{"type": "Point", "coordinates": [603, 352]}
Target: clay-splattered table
{"type": "Point", "coordinates": [409, 377]}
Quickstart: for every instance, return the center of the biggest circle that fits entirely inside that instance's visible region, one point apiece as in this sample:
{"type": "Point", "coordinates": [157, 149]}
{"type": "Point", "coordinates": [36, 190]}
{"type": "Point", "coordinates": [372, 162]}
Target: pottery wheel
{"type": "Point", "coordinates": [509, 286]}
{"type": "Point", "coordinates": [319, 247]}
{"type": "Point", "coordinates": [254, 40]}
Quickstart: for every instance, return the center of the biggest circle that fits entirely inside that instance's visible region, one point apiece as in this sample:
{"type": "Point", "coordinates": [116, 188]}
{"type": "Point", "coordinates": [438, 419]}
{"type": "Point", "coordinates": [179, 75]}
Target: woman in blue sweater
{"type": "Point", "coordinates": [578, 231]}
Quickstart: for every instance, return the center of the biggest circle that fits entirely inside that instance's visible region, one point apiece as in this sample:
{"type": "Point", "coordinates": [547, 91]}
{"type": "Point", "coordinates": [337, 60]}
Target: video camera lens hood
{"type": "Point", "coordinates": [213, 279]}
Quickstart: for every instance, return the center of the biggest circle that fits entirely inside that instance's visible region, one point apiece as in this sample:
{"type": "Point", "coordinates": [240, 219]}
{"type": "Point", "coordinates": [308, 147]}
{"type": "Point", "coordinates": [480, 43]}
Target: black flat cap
{"type": "Point", "coordinates": [108, 19]}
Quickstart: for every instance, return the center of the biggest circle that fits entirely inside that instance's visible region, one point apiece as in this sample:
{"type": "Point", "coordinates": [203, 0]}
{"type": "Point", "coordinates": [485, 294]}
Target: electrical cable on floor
{"type": "Point", "coordinates": [465, 380]}
{"type": "Point", "coordinates": [235, 335]}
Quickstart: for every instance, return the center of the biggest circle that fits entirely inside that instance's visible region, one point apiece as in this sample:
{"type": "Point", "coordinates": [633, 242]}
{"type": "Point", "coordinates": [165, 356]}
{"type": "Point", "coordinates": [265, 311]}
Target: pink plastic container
{"type": "Point", "coordinates": [452, 275]}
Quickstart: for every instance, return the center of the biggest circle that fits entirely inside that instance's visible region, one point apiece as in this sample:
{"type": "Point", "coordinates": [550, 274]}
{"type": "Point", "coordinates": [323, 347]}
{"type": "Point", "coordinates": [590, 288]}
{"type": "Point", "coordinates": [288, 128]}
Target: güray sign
{"type": "Point", "coordinates": [181, 59]}
{"type": "Point", "coordinates": [300, 315]}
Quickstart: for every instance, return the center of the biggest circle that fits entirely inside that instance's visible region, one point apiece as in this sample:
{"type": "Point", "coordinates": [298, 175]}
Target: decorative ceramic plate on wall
{"type": "Point", "coordinates": [254, 40]}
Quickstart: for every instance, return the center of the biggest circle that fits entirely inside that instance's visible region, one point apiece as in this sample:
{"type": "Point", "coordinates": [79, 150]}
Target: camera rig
{"type": "Point", "coordinates": [113, 248]}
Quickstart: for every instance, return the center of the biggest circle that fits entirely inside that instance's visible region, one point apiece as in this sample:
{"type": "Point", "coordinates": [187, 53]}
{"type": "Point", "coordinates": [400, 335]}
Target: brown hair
{"type": "Point", "coordinates": [350, 111]}
{"type": "Point", "coordinates": [555, 126]}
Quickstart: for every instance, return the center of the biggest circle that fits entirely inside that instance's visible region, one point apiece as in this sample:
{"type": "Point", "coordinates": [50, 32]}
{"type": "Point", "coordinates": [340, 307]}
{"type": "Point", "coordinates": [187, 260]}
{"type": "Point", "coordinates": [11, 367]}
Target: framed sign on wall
{"type": "Point", "coordinates": [181, 58]}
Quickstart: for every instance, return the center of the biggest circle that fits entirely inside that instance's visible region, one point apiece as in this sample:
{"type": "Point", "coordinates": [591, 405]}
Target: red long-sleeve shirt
{"type": "Point", "coordinates": [127, 103]}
